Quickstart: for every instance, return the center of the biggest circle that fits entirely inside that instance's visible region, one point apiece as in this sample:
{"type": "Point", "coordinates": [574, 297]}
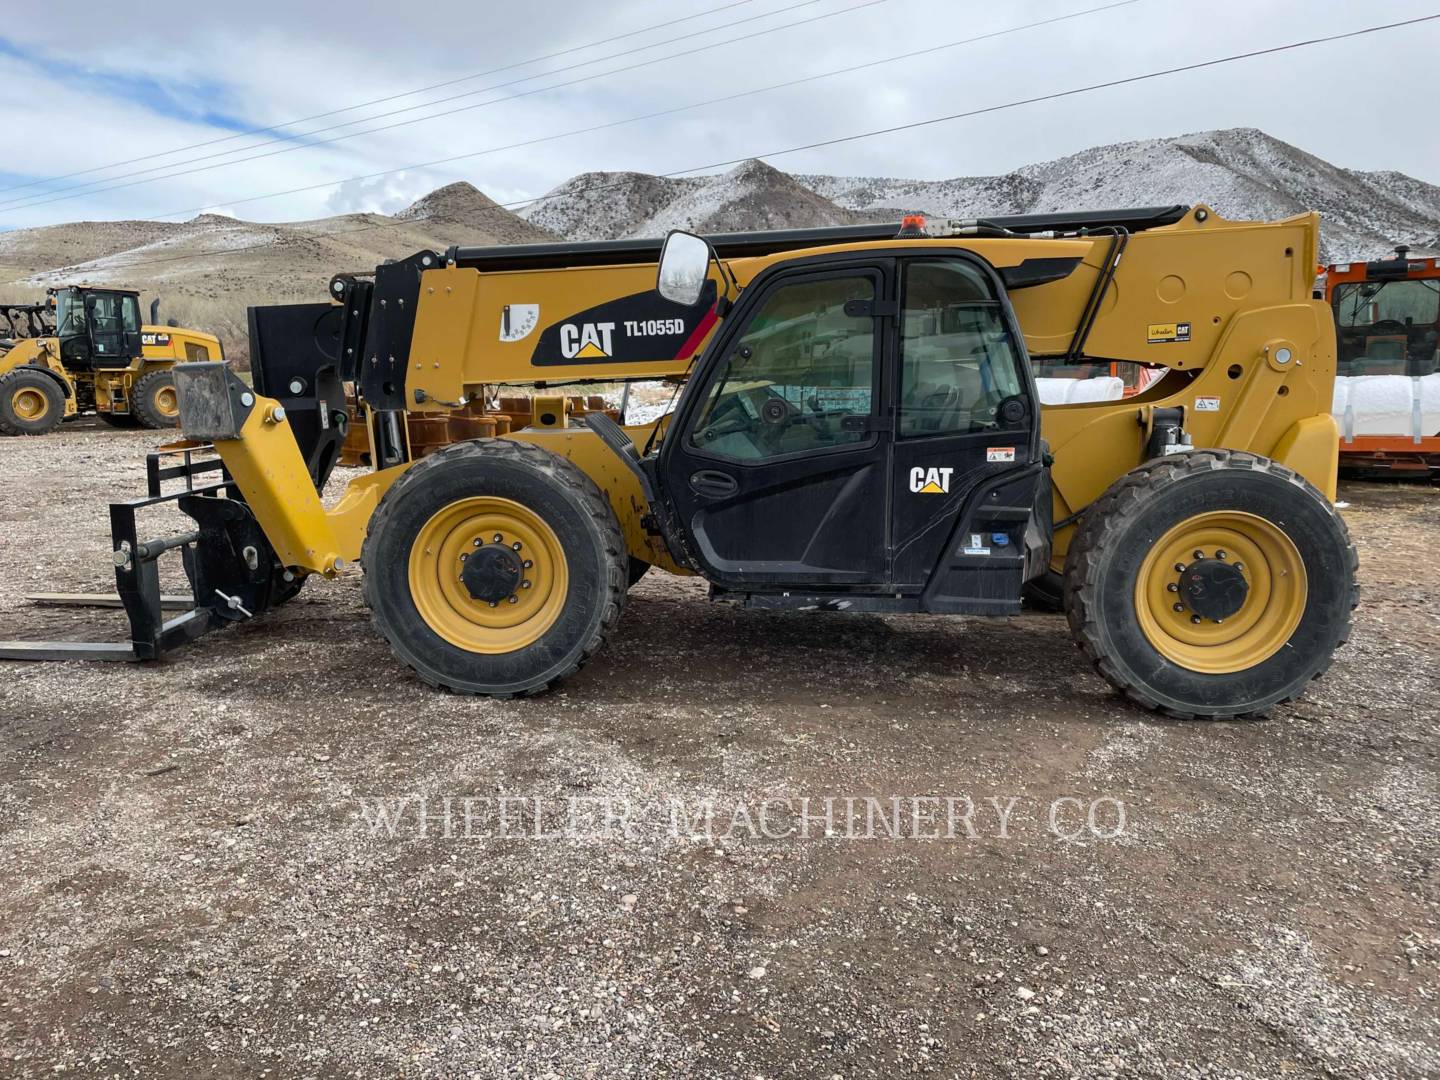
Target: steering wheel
{"type": "Point", "coordinates": [776, 412]}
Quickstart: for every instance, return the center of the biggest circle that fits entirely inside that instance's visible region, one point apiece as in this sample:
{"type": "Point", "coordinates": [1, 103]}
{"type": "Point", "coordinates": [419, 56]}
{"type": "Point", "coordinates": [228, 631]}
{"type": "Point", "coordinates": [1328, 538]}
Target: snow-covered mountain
{"type": "Point", "coordinates": [753, 195]}
{"type": "Point", "coordinates": [1241, 172]}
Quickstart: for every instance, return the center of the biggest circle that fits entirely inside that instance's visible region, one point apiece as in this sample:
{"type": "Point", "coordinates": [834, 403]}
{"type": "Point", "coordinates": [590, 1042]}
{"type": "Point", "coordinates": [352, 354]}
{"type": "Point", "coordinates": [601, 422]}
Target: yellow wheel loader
{"type": "Point", "coordinates": [859, 431]}
{"type": "Point", "coordinates": [93, 354]}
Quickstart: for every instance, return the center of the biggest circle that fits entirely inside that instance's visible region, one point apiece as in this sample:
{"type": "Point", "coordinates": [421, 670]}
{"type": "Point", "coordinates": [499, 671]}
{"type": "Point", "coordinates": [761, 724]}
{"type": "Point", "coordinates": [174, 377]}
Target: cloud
{"type": "Point", "coordinates": [269, 62]}
{"type": "Point", "coordinates": [382, 195]}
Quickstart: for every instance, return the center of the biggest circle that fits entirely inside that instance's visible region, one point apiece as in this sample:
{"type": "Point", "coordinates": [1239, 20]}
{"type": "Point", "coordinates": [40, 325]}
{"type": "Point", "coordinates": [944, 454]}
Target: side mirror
{"type": "Point", "coordinates": [684, 266]}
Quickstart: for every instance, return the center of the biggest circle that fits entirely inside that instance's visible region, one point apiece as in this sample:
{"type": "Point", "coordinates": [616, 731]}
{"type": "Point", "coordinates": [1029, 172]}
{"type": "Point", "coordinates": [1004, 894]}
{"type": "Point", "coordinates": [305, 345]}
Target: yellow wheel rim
{"type": "Point", "coordinates": [166, 402]}
{"type": "Point", "coordinates": [437, 559]}
{"type": "Point", "coordinates": [1274, 601]}
{"type": "Point", "coordinates": [29, 403]}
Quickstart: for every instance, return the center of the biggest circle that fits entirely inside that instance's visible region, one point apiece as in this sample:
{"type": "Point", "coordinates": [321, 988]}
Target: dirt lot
{"type": "Point", "coordinates": [193, 882]}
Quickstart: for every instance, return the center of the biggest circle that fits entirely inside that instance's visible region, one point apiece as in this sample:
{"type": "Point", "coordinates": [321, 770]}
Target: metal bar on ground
{"type": "Point", "coordinates": [67, 650]}
{"type": "Point", "coordinates": [102, 600]}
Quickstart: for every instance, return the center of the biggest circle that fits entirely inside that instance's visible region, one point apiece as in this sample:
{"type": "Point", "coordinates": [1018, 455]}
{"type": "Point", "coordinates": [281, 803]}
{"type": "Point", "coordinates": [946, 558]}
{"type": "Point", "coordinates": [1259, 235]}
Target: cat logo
{"type": "Point", "coordinates": [932, 481]}
{"type": "Point", "coordinates": [588, 341]}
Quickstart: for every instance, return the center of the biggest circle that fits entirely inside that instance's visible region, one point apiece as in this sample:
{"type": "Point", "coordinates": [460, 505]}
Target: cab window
{"type": "Point", "coordinates": [798, 369]}
{"type": "Point", "coordinates": [958, 361]}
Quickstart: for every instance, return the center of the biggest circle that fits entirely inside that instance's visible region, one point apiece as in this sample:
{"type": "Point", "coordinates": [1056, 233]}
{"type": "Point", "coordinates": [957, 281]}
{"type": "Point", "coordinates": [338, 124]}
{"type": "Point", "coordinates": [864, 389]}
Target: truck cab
{"type": "Point", "coordinates": [1387, 389]}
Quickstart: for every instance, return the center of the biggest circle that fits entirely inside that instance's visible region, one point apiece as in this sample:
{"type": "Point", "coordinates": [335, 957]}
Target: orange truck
{"type": "Point", "coordinates": [1387, 387]}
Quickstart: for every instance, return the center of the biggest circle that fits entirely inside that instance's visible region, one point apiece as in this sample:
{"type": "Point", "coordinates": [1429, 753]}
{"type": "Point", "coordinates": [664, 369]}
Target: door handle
{"type": "Point", "coordinates": [715, 485]}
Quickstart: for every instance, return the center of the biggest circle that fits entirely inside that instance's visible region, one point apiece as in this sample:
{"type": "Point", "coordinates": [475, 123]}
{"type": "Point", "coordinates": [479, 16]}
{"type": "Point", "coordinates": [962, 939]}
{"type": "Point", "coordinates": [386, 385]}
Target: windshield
{"type": "Point", "coordinates": [1365, 303]}
{"type": "Point", "coordinates": [1388, 327]}
{"type": "Point", "coordinates": [69, 313]}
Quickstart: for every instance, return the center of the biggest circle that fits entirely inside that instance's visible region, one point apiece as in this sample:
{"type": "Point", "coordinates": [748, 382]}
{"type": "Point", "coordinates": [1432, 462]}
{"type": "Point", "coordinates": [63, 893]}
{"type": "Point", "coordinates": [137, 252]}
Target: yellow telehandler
{"type": "Point", "coordinates": [93, 353]}
{"type": "Point", "coordinates": [859, 431]}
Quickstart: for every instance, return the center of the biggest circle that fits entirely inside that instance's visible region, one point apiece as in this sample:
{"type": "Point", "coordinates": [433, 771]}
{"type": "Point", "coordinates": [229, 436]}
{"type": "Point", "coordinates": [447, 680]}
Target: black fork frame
{"type": "Point", "coordinates": [137, 578]}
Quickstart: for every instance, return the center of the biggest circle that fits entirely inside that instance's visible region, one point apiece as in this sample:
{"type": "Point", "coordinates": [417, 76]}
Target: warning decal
{"type": "Point", "coordinates": [1000, 453]}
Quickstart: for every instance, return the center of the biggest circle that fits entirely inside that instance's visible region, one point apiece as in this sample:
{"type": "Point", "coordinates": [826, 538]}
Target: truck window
{"type": "Point", "coordinates": [1388, 327]}
{"type": "Point", "coordinates": [957, 360]}
{"type": "Point", "coordinates": [799, 367]}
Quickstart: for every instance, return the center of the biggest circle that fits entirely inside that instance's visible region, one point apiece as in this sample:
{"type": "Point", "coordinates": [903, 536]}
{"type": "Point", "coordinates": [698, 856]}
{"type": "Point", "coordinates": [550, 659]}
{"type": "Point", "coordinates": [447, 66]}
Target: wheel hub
{"type": "Point", "coordinates": [1220, 591]}
{"type": "Point", "coordinates": [492, 573]}
{"type": "Point", "coordinates": [1213, 589]}
{"type": "Point", "coordinates": [488, 574]}
{"type": "Point", "coordinates": [29, 403]}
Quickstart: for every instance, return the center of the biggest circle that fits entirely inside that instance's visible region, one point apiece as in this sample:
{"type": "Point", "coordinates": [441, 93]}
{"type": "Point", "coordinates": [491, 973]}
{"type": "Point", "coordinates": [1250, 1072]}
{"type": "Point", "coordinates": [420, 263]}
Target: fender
{"type": "Point", "coordinates": [32, 353]}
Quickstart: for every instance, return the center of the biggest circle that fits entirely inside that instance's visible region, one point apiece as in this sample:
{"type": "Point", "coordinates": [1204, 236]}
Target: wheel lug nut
{"type": "Point", "coordinates": [1239, 566]}
{"type": "Point", "coordinates": [1173, 587]}
{"type": "Point", "coordinates": [515, 546]}
{"type": "Point", "coordinates": [1179, 567]}
{"type": "Point", "coordinates": [514, 599]}
{"type": "Point", "coordinates": [464, 555]}
{"type": "Point", "coordinates": [524, 584]}
{"type": "Point", "coordinates": [494, 604]}
{"type": "Point", "coordinates": [1179, 607]}
{"type": "Point", "coordinates": [527, 564]}
{"type": "Point", "coordinates": [1199, 554]}
{"type": "Point", "coordinates": [498, 538]}
{"type": "Point", "coordinates": [1195, 619]}
{"type": "Point", "coordinates": [1219, 554]}
{"type": "Point", "coordinates": [477, 541]}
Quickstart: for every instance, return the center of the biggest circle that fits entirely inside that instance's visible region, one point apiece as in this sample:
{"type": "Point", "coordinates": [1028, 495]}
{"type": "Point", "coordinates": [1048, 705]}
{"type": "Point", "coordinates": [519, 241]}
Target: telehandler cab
{"type": "Point", "coordinates": [858, 431]}
{"type": "Point", "coordinates": [91, 352]}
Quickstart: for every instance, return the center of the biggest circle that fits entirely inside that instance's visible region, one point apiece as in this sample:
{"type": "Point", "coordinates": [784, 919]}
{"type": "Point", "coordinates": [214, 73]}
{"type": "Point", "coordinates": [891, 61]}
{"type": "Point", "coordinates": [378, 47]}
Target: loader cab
{"type": "Point", "coordinates": [97, 328]}
{"type": "Point", "coordinates": [863, 425]}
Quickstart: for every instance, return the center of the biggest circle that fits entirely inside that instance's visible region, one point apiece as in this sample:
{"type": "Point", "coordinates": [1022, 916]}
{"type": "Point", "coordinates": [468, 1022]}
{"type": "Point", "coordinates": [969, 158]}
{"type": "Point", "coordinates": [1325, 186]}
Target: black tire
{"type": "Point", "coordinates": [638, 569]}
{"type": "Point", "coordinates": [1117, 534]}
{"type": "Point", "coordinates": [118, 420]}
{"type": "Point", "coordinates": [546, 485]}
{"type": "Point", "coordinates": [18, 390]}
{"type": "Point", "coordinates": [1046, 592]}
{"type": "Point", "coordinates": [143, 400]}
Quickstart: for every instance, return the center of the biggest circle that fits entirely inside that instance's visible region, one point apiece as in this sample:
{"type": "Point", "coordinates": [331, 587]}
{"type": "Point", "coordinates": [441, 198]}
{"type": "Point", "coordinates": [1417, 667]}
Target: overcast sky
{"type": "Point", "coordinates": [79, 91]}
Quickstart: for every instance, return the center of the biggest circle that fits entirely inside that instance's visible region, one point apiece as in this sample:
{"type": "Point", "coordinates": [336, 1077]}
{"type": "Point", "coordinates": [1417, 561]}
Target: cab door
{"type": "Point", "coordinates": [776, 468]}
{"type": "Point", "coordinates": [107, 333]}
{"type": "Point", "coordinates": [967, 466]}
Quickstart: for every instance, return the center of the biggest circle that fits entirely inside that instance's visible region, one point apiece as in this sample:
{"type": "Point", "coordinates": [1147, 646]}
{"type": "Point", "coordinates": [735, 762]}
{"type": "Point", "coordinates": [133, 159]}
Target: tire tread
{"type": "Point", "coordinates": [554, 468]}
{"type": "Point", "coordinates": [1105, 520]}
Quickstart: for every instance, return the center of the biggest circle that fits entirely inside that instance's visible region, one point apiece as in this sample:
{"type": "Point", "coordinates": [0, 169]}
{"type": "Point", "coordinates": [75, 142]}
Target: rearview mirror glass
{"type": "Point", "coordinates": [684, 265]}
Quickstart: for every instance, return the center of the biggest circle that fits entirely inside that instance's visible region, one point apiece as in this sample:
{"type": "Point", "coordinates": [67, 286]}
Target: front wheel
{"type": "Point", "coordinates": [31, 403]}
{"type": "Point", "coordinates": [1211, 584]}
{"type": "Point", "coordinates": [153, 400]}
{"type": "Point", "coordinates": [494, 567]}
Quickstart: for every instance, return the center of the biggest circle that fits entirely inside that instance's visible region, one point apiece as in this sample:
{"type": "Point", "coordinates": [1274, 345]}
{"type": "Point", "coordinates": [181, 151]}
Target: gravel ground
{"type": "Point", "coordinates": [216, 866]}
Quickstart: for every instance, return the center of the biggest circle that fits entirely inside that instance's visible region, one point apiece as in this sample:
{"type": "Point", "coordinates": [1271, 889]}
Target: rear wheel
{"type": "Point", "coordinates": [153, 400]}
{"type": "Point", "coordinates": [31, 403]}
{"type": "Point", "coordinates": [494, 567]}
{"type": "Point", "coordinates": [1211, 584]}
